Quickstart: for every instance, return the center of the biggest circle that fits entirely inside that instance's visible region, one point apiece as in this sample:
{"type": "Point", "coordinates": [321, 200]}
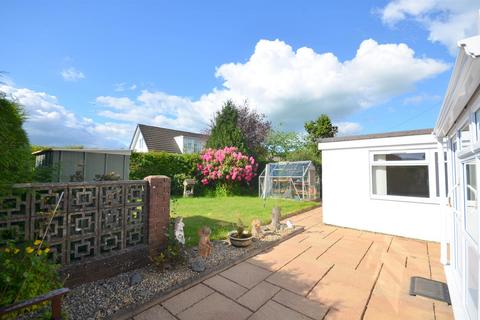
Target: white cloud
{"type": "Point", "coordinates": [49, 123]}
{"type": "Point", "coordinates": [447, 21]}
{"type": "Point", "coordinates": [122, 86]}
{"type": "Point", "coordinates": [348, 128]}
{"type": "Point", "coordinates": [289, 86]}
{"type": "Point", "coordinates": [72, 74]}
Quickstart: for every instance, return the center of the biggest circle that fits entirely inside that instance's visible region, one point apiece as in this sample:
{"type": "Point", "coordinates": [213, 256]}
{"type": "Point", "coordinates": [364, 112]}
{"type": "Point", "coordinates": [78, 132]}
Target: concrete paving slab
{"type": "Point", "coordinates": [225, 286]}
{"type": "Point", "coordinates": [187, 298]}
{"type": "Point", "coordinates": [258, 295]}
{"type": "Point", "coordinates": [275, 311]}
{"type": "Point", "coordinates": [156, 312]}
{"type": "Point", "coordinates": [305, 306]}
{"type": "Point", "coordinates": [215, 307]}
{"type": "Point", "coordinates": [246, 274]}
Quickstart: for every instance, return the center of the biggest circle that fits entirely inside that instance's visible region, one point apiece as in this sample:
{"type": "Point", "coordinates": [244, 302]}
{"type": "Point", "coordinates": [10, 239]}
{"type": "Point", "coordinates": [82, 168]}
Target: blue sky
{"type": "Point", "coordinates": [88, 71]}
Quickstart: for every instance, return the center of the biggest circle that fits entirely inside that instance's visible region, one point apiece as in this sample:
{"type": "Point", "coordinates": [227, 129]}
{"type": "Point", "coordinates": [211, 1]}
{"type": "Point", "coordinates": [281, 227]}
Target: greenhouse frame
{"type": "Point", "coordinates": [291, 180]}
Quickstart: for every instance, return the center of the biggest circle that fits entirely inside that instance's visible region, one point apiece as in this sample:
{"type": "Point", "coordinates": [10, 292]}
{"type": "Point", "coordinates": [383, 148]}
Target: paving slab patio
{"type": "Point", "coordinates": [326, 272]}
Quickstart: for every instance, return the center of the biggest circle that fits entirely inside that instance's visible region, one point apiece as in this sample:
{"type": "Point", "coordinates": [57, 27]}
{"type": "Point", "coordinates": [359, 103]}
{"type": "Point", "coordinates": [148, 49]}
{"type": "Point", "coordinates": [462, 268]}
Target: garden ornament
{"type": "Point", "coordinates": [276, 215]}
{"type": "Point", "coordinates": [204, 244]}
{"type": "Point", "coordinates": [178, 230]}
{"type": "Point", "coordinates": [256, 228]}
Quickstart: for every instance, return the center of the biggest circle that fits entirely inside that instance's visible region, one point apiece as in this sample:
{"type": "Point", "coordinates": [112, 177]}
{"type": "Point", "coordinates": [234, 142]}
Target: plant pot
{"type": "Point", "coordinates": [236, 241]}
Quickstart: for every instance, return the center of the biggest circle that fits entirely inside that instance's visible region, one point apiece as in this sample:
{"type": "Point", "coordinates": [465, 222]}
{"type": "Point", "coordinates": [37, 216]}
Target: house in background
{"type": "Point", "coordinates": [150, 138]}
{"type": "Point", "coordinates": [420, 184]}
{"type": "Point", "coordinates": [68, 165]}
{"type": "Point", "coordinates": [390, 180]}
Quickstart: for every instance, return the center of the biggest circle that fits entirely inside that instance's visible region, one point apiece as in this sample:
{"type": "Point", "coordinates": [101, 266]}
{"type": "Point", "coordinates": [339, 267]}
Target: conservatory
{"type": "Point", "coordinates": [291, 180]}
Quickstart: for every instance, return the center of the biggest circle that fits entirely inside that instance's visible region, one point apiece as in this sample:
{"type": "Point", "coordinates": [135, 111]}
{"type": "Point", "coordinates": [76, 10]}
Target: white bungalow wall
{"type": "Point", "coordinates": [348, 200]}
{"type": "Point", "coordinates": [138, 144]}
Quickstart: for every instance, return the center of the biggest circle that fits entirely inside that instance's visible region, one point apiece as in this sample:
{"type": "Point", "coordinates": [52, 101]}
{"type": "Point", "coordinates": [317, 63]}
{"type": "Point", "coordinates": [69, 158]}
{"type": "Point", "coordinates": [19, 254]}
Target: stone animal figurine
{"type": "Point", "coordinates": [256, 228]}
{"type": "Point", "coordinates": [204, 244]}
{"type": "Point", "coordinates": [178, 230]}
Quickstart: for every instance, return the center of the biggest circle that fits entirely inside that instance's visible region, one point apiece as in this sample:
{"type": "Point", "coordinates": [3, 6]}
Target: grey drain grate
{"type": "Point", "coordinates": [429, 288]}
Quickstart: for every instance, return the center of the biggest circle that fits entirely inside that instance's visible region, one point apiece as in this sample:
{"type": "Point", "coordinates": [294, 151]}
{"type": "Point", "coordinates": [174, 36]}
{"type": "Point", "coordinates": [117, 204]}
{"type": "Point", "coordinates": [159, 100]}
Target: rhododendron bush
{"type": "Point", "coordinates": [226, 166]}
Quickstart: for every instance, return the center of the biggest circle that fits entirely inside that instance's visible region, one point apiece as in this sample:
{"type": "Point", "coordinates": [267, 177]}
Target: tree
{"type": "Point", "coordinates": [280, 144]}
{"type": "Point", "coordinates": [322, 127]}
{"type": "Point", "coordinates": [224, 131]}
{"type": "Point", "coordinates": [255, 129]}
{"type": "Point", "coordinates": [16, 160]}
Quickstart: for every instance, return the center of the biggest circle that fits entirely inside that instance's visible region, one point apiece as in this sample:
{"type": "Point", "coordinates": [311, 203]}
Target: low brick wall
{"type": "Point", "coordinates": [105, 267]}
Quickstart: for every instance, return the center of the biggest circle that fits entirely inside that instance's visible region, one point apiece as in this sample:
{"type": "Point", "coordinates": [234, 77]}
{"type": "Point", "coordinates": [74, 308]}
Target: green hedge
{"type": "Point", "coordinates": [176, 166]}
{"type": "Point", "coordinates": [180, 167]}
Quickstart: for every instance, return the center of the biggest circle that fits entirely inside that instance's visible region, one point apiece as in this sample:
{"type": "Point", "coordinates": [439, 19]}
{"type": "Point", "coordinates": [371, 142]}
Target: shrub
{"type": "Point", "coordinates": [226, 170]}
{"type": "Point", "coordinates": [173, 254]}
{"type": "Point", "coordinates": [16, 161]}
{"type": "Point", "coordinates": [26, 273]}
{"type": "Point", "coordinates": [176, 166]}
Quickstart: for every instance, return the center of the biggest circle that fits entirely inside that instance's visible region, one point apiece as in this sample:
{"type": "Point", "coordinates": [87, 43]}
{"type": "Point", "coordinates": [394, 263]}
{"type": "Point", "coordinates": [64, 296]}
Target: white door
{"type": "Point", "coordinates": [471, 235]}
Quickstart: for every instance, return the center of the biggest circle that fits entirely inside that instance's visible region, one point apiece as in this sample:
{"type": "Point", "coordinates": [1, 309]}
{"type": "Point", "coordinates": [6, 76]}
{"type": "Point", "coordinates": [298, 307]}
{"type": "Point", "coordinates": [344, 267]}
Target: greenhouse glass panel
{"type": "Point", "coordinates": [291, 180]}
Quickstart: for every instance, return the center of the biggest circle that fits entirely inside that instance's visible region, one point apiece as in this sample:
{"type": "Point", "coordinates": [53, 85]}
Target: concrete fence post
{"type": "Point", "coordinates": [158, 212]}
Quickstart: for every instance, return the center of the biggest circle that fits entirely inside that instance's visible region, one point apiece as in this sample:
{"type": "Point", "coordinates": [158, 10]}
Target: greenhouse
{"type": "Point", "coordinates": [290, 180]}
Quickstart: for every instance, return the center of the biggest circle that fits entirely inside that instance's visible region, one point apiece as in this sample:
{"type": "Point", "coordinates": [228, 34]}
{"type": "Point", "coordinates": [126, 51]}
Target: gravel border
{"type": "Point", "coordinates": [115, 298]}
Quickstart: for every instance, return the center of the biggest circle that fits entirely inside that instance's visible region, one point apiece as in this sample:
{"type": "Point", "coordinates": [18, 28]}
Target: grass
{"type": "Point", "coordinates": [221, 214]}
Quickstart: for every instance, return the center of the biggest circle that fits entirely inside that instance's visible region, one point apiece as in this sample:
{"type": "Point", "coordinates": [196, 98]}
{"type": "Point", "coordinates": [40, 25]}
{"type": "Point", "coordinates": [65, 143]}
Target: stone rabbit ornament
{"type": "Point", "coordinates": [204, 244]}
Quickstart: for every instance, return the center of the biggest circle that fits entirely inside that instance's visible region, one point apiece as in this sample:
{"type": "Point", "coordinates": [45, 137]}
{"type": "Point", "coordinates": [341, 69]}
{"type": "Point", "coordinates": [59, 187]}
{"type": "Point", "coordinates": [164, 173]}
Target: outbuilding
{"type": "Point", "coordinates": [386, 183]}
{"type": "Point", "coordinates": [68, 165]}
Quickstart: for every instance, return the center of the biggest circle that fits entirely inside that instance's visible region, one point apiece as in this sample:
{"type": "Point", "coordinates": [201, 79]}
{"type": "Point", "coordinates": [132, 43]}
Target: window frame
{"type": "Point", "coordinates": [429, 162]}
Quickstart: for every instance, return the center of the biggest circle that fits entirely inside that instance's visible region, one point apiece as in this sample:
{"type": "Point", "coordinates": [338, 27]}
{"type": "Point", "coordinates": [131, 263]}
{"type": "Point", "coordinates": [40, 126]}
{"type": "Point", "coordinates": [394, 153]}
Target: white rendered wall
{"type": "Point", "coordinates": [347, 199]}
{"type": "Point", "coordinates": [179, 141]}
{"type": "Point", "coordinates": [139, 144]}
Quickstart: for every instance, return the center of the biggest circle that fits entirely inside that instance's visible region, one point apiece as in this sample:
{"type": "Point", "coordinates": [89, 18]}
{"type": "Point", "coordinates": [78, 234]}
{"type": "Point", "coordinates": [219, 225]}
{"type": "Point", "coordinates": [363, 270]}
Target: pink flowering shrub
{"type": "Point", "coordinates": [226, 166]}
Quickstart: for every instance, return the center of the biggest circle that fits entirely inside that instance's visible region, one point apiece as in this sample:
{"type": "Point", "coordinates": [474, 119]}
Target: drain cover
{"type": "Point", "coordinates": [429, 288]}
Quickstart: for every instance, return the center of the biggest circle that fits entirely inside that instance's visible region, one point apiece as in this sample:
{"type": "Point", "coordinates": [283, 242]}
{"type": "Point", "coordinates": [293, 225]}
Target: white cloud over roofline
{"type": "Point", "coordinates": [289, 86]}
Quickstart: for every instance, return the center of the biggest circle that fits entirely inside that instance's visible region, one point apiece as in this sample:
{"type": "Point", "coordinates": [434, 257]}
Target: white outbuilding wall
{"type": "Point", "coordinates": [348, 196]}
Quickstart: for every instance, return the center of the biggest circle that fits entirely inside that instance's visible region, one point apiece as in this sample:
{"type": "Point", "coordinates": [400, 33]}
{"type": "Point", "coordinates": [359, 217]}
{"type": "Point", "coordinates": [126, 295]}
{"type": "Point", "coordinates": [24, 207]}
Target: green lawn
{"type": "Point", "coordinates": [220, 214]}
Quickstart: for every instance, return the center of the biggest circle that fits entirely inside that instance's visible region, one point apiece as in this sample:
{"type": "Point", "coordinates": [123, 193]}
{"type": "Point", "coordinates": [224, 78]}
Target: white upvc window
{"type": "Point", "coordinates": [404, 175]}
{"type": "Point", "coordinates": [192, 145]}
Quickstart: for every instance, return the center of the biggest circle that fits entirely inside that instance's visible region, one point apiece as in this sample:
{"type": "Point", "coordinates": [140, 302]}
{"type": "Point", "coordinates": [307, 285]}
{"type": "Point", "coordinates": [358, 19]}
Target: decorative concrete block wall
{"type": "Point", "coordinates": [99, 228]}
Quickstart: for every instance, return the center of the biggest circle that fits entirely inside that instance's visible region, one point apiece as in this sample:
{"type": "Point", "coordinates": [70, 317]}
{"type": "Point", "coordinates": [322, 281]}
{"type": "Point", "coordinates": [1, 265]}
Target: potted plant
{"type": "Point", "coordinates": [240, 237]}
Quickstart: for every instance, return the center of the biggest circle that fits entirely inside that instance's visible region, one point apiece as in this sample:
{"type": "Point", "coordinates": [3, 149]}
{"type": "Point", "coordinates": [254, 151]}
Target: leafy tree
{"type": "Point", "coordinates": [241, 127]}
{"type": "Point", "coordinates": [255, 129]}
{"type": "Point", "coordinates": [16, 161]}
{"type": "Point", "coordinates": [280, 144]}
{"type": "Point", "coordinates": [322, 127]}
{"type": "Point", "coordinates": [305, 153]}
{"type": "Point", "coordinates": [224, 131]}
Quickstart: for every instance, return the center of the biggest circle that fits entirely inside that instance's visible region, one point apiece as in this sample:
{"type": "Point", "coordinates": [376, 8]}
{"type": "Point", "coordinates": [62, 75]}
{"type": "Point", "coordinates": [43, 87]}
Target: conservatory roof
{"type": "Point", "coordinates": [287, 169]}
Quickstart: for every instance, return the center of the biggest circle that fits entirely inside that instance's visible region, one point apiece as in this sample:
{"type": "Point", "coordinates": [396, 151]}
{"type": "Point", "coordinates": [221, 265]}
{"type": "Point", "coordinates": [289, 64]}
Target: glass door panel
{"type": "Point", "coordinates": [471, 201]}
{"type": "Point", "coordinates": [472, 281]}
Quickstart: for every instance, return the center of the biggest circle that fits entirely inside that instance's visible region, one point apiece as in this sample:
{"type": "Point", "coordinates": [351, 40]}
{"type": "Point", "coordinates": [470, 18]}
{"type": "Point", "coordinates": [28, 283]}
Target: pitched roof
{"type": "Point", "coordinates": [163, 139]}
{"type": "Point", "coordinates": [378, 135]}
